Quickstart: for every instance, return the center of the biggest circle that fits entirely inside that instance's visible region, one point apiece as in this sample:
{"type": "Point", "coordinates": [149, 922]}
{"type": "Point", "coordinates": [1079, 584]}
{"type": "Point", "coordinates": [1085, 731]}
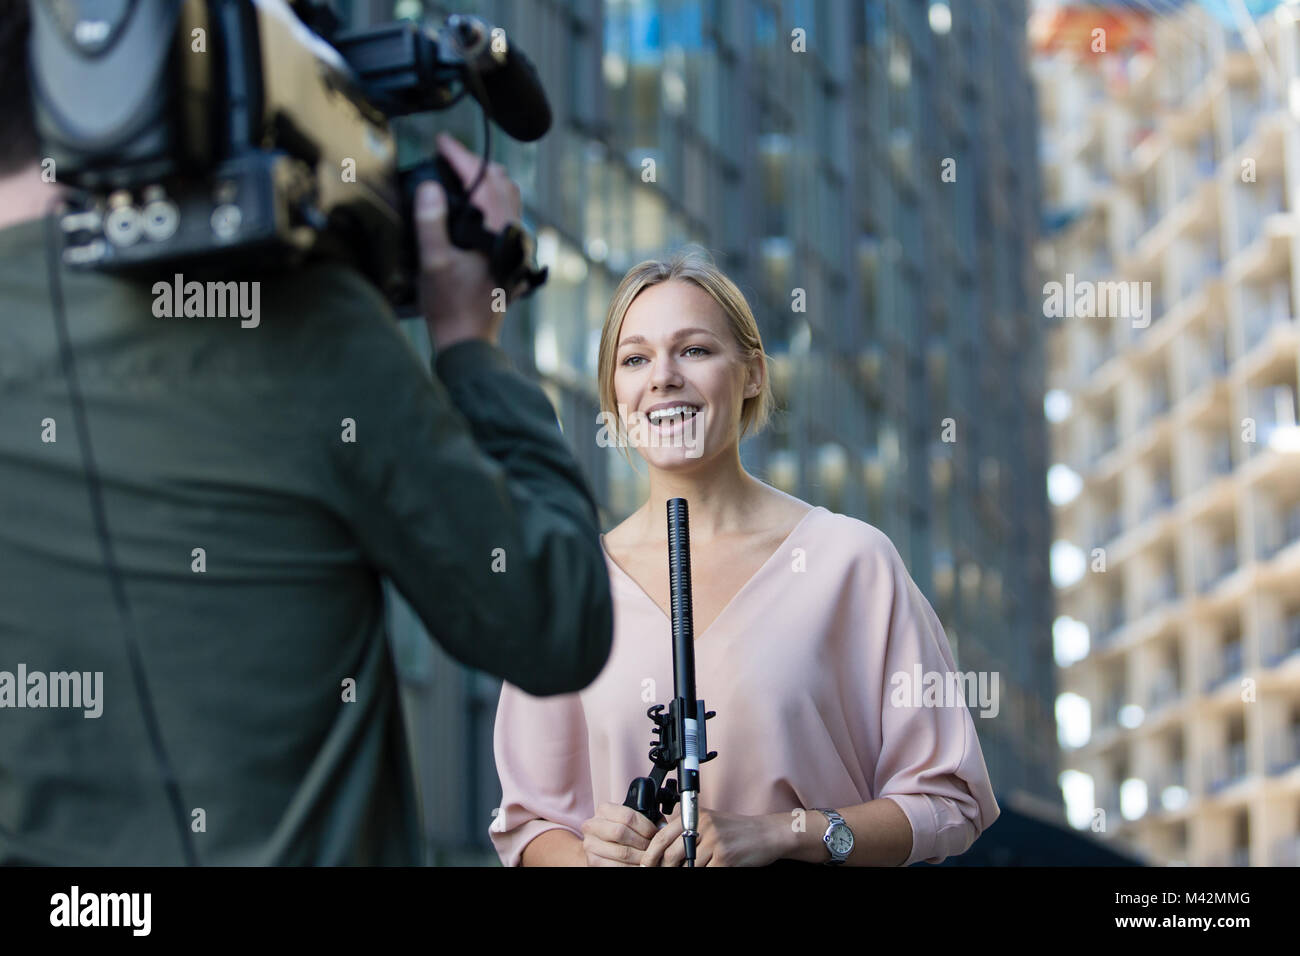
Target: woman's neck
{"type": "Point", "coordinates": [724, 499]}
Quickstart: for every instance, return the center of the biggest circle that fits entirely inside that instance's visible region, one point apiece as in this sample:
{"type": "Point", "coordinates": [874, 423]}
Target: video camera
{"type": "Point", "coordinates": [222, 134]}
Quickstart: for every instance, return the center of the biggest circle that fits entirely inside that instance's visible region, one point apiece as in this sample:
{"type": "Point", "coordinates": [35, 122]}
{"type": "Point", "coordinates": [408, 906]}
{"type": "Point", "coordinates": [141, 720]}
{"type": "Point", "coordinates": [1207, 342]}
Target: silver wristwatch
{"type": "Point", "coordinates": [838, 837]}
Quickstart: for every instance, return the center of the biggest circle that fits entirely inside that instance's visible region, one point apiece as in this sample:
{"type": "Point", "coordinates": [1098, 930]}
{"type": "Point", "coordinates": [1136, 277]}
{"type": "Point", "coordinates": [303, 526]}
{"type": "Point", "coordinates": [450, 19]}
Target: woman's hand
{"type": "Point", "coordinates": [726, 839]}
{"type": "Point", "coordinates": [616, 836]}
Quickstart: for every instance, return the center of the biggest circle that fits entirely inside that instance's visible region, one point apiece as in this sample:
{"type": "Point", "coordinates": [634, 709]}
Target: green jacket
{"type": "Point", "coordinates": [306, 457]}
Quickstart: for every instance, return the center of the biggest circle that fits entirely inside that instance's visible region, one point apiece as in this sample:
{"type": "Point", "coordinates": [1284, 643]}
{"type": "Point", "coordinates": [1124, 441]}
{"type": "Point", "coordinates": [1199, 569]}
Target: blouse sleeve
{"type": "Point", "coordinates": [545, 771]}
{"type": "Point", "coordinates": [930, 760]}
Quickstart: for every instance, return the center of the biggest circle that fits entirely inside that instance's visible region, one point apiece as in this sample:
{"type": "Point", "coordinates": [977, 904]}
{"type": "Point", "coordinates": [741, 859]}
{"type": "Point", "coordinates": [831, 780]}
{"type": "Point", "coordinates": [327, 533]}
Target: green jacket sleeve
{"type": "Point", "coordinates": [463, 491]}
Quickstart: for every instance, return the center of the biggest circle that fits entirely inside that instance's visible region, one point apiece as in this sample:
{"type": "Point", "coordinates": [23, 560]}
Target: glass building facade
{"type": "Point", "coordinates": [866, 172]}
{"type": "Point", "coordinates": [1175, 162]}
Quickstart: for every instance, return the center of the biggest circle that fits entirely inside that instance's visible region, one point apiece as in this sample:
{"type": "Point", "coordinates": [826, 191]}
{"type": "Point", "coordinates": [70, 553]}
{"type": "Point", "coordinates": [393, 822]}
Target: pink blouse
{"type": "Point", "coordinates": [801, 667]}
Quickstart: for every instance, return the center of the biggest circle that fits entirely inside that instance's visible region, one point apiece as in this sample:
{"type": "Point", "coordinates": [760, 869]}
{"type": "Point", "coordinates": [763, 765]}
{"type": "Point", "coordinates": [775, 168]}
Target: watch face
{"type": "Point", "coordinates": [841, 840]}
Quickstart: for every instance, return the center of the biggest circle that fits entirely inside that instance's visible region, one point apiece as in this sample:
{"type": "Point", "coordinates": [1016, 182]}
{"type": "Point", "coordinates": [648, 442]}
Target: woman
{"type": "Point", "coordinates": [806, 624]}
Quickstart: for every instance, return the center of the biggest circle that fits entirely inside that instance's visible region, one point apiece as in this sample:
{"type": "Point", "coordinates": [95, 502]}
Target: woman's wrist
{"type": "Point", "coordinates": [799, 836]}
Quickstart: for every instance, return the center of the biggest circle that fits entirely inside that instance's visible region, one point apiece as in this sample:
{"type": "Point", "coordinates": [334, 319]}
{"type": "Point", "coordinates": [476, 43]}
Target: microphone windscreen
{"type": "Point", "coordinates": [516, 100]}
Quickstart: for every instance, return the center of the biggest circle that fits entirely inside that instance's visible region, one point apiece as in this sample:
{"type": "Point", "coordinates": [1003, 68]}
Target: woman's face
{"type": "Point", "coordinates": [676, 348]}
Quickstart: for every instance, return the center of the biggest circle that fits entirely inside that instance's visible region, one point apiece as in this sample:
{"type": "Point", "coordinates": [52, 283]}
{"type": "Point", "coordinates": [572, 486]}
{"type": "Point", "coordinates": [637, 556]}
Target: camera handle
{"type": "Point", "coordinates": [509, 251]}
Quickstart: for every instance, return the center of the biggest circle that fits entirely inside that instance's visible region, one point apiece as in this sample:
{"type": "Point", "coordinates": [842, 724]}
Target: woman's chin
{"type": "Point", "coordinates": [675, 457]}
{"type": "Point", "coordinates": [667, 461]}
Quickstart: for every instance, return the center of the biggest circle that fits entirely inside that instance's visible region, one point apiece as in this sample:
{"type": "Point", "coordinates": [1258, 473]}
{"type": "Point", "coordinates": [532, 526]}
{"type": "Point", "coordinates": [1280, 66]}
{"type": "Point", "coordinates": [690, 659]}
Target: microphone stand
{"type": "Point", "coordinates": [680, 737]}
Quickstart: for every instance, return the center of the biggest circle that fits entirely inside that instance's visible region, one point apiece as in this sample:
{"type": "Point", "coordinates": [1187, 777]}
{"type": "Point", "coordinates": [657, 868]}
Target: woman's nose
{"type": "Point", "coordinates": [665, 373]}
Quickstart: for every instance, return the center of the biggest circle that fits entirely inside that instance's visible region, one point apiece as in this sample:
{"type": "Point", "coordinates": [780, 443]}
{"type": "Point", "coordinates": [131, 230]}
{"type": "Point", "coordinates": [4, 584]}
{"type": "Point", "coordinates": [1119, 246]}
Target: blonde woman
{"type": "Point", "coordinates": [807, 629]}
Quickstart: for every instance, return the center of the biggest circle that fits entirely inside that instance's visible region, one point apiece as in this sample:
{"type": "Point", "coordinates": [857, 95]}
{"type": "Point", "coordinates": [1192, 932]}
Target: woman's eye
{"type": "Point", "coordinates": [694, 348]}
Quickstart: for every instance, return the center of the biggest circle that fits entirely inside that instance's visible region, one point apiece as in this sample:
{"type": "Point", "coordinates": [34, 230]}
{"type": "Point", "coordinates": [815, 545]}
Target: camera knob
{"type": "Point", "coordinates": [123, 225]}
{"type": "Point", "coordinates": [161, 219]}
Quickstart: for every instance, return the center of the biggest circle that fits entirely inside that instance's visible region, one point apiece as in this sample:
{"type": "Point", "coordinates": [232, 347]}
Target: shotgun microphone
{"type": "Point", "coordinates": [680, 737]}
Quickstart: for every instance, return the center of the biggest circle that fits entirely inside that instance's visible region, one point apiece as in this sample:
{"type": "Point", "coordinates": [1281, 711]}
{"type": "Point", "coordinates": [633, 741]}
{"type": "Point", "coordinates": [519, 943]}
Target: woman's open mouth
{"type": "Point", "coordinates": [671, 419]}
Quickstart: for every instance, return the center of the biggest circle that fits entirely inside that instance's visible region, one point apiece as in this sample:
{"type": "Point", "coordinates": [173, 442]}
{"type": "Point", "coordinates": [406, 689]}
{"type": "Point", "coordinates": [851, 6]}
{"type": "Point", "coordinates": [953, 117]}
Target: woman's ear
{"type": "Point", "coordinates": [755, 371]}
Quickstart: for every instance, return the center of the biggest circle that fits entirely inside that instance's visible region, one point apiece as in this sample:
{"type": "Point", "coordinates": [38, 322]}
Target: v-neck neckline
{"type": "Point", "coordinates": [735, 597]}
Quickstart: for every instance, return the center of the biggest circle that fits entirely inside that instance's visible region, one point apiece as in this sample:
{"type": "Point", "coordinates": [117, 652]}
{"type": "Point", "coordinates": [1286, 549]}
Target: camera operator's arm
{"type": "Point", "coordinates": [466, 493]}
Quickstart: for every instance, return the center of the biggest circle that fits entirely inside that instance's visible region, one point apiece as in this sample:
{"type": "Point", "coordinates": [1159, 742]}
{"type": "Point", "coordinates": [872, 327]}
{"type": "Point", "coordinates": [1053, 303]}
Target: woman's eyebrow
{"type": "Point", "coordinates": [680, 333]}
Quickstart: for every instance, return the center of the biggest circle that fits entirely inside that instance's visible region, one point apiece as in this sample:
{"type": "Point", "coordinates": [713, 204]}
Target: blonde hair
{"type": "Point", "coordinates": [689, 264]}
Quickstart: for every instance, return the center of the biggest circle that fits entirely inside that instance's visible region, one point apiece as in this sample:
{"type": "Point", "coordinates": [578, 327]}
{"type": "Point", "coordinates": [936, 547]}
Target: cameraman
{"type": "Point", "coordinates": [256, 484]}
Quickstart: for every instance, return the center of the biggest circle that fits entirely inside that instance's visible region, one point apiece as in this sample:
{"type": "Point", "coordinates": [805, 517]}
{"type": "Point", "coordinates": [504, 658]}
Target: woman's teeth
{"type": "Point", "coordinates": [671, 416]}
